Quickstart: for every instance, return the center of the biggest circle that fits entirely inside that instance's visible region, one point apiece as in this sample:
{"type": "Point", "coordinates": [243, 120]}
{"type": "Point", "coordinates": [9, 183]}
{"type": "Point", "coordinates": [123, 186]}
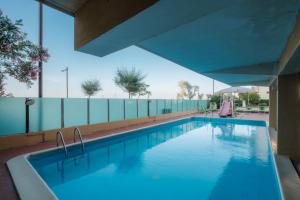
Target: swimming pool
{"type": "Point", "coordinates": [193, 158]}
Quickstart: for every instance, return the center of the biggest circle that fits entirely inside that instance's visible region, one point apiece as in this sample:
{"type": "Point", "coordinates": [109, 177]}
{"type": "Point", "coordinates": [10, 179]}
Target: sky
{"type": "Point", "coordinates": [162, 75]}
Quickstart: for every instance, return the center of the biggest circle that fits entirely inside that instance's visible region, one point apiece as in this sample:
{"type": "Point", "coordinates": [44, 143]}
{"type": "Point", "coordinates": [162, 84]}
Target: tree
{"type": "Point", "coordinates": [200, 96]}
{"type": "Point", "coordinates": [2, 84]}
{"type": "Point", "coordinates": [187, 90]}
{"type": "Point", "coordinates": [253, 98]}
{"type": "Point", "coordinates": [143, 90]}
{"type": "Point", "coordinates": [130, 81]}
{"type": "Point", "coordinates": [91, 87]}
{"type": "Point", "coordinates": [216, 100]}
{"type": "Point", "coordinates": [19, 57]}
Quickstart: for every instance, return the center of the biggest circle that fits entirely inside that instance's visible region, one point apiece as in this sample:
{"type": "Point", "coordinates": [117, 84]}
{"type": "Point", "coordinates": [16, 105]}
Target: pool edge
{"type": "Point", "coordinates": [275, 165]}
{"type": "Point", "coordinates": [22, 173]}
{"type": "Point", "coordinates": [19, 164]}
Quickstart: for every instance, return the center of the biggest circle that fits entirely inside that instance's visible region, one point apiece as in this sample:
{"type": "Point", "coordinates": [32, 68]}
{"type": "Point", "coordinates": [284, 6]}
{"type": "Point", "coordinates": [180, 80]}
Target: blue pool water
{"type": "Point", "coordinates": [193, 158]}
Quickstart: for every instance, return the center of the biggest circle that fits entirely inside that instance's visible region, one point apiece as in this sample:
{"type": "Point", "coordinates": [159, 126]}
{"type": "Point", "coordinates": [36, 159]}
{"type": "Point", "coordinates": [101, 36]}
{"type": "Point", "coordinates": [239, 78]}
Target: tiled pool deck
{"type": "Point", "coordinates": [7, 189]}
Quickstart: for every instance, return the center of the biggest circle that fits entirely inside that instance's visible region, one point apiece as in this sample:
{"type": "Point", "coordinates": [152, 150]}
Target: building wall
{"type": "Point", "coordinates": [263, 92]}
{"type": "Point", "coordinates": [289, 115]}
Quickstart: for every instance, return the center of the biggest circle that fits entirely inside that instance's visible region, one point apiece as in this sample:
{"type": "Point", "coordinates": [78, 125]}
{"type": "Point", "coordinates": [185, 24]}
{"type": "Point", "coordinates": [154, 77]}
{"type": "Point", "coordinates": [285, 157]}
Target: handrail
{"type": "Point", "coordinates": [76, 130]}
{"type": "Point", "coordinates": [59, 133]}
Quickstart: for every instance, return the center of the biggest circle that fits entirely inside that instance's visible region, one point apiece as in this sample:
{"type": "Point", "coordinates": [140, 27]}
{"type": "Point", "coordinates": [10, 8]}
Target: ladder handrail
{"type": "Point", "coordinates": [76, 130]}
{"type": "Point", "coordinates": [59, 133]}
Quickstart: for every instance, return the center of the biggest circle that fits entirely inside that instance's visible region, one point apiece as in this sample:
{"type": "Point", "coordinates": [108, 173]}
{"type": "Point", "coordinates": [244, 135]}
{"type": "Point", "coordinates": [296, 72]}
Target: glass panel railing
{"type": "Point", "coordinates": [174, 106]}
{"type": "Point", "coordinates": [75, 112]}
{"type": "Point", "coordinates": [160, 106]}
{"type": "Point", "coordinates": [12, 115]}
{"type": "Point", "coordinates": [45, 114]}
{"type": "Point", "coordinates": [116, 109]}
{"type": "Point", "coordinates": [189, 102]}
{"type": "Point", "coordinates": [190, 105]}
{"type": "Point", "coordinates": [184, 106]}
{"type": "Point", "coordinates": [168, 106]}
{"type": "Point", "coordinates": [131, 108]}
{"type": "Point", "coordinates": [180, 105]}
{"type": "Point", "coordinates": [142, 108]}
{"type": "Point", "coordinates": [194, 105]}
{"type": "Point", "coordinates": [202, 104]}
{"type": "Point", "coordinates": [153, 107]}
{"type": "Point", "coordinates": [98, 111]}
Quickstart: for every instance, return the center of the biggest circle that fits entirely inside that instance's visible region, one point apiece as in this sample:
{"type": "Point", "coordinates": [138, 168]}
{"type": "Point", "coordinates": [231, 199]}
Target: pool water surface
{"type": "Point", "coordinates": [194, 158]}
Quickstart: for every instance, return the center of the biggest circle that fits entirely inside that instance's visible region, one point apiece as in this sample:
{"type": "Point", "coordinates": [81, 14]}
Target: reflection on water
{"type": "Point", "coordinates": [250, 149]}
{"type": "Point", "coordinates": [252, 139]}
{"type": "Point", "coordinates": [189, 159]}
{"type": "Point", "coordinates": [125, 153]}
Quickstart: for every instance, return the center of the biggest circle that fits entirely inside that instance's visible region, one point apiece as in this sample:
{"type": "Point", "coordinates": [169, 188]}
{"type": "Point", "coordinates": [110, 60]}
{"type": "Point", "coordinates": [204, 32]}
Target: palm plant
{"type": "Point", "coordinates": [144, 91]}
{"type": "Point", "coordinates": [91, 87]}
{"type": "Point", "coordinates": [130, 81]}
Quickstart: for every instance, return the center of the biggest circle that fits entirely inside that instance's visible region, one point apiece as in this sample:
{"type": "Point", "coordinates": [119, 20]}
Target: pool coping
{"type": "Point", "coordinates": [23, 173]}
{"type": "Point", "coordinates": [28, 182]}
{"type": "Point", "coordinates": [275, 166]}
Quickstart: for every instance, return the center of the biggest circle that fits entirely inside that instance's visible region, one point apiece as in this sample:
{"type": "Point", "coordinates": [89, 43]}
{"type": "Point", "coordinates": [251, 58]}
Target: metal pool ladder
{"type": "Point", "coordinates": [60, 134]}
{"type": "Point", "coordinates": [77, 131]}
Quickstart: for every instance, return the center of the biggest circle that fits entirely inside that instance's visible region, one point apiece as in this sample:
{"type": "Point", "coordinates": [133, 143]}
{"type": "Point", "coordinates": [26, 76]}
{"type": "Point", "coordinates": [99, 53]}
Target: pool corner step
{"type": "Point", "coordinates": [23, 173]}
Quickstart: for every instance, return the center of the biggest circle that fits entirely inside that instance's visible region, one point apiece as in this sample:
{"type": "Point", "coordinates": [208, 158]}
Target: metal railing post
{"type": "Point", "coordinates": [124, 109]}
{"type": "Point", "coordinates": [148, 107]}
{"type": "Point", "coordinates": [108, 117]}
{"type": "Point", "coordinates": [137, 108]}
{"type": "Point", "coordinates": [62, 113]}
{"type": "Point", "coordinates": [88, 111]}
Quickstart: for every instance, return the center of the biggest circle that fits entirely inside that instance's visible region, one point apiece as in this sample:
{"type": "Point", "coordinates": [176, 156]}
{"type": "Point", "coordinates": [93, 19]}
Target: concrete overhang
{"type": "Point", "coordinates": [238, 42]}
{"type": "Point", "coordinates": [289, 62]}
{"type": "Point", "coordinates": [67, 6]}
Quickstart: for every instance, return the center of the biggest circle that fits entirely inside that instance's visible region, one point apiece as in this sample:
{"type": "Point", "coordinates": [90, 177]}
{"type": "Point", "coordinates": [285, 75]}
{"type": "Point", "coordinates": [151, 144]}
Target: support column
{"type": "Point", "coordinates": [273, 118]}
{"type": "Point", "coordinates": [289, 115]}
{"type": "Point", "coordinates": [40, 93]}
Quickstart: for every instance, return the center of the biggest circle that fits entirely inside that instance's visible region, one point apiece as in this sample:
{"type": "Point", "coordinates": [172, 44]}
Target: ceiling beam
{"type": "Point", "coordinates": [292, 44]}
{"type": "Point", "coordinates": [254, 83]}
{"type": "Point", "coordinates": [259, 69]}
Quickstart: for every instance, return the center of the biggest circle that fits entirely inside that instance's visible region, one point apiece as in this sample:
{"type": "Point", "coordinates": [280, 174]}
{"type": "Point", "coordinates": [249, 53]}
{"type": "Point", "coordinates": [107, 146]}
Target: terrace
{"type": "Point", "coordinates": [239, 43]}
